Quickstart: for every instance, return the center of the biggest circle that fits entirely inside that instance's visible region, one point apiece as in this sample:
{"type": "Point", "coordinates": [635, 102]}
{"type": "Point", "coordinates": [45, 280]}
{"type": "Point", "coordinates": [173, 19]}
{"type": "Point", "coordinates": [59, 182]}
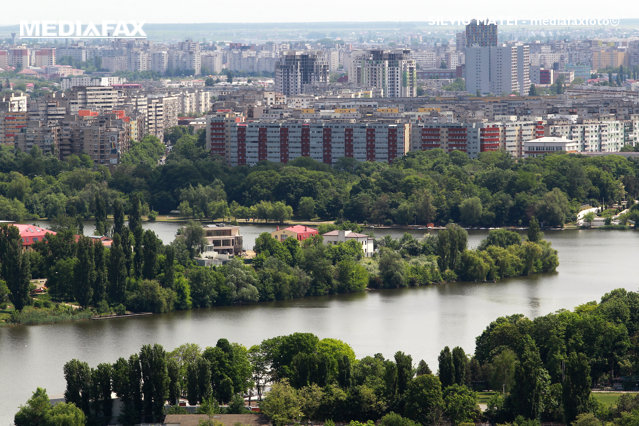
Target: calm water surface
{"type": "Point", "coordinates": [418, 321]}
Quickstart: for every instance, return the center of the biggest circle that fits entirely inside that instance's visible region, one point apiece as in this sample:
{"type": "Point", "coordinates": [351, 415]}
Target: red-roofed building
{"type": "Point", "coordinates": [299, 232]}
{"type": "Point", "coordinates": [105, 241]}
{"type": "Point", "coordinates": [31, 234]}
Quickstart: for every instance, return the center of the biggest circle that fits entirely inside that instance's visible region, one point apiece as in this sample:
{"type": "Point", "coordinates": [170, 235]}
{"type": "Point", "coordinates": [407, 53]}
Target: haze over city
{"type": "Point", "coordinates": [201, 11]}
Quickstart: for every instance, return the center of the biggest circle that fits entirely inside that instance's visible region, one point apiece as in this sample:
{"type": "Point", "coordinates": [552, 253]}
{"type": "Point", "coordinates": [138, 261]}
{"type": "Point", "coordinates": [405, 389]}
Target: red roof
{"type": "Point", "coordinates": [31, 234]}
{"type": "Point", "coordinates": [303, 232]}
{"type": "Point", "coordinates": [301, 229]}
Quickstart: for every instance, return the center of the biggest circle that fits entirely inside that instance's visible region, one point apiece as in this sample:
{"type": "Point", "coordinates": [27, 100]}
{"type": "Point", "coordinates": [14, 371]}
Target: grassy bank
{"type": "Point", "coordinates": [43, 312]}
{"type": "Point", "coordinates": [609, 399]}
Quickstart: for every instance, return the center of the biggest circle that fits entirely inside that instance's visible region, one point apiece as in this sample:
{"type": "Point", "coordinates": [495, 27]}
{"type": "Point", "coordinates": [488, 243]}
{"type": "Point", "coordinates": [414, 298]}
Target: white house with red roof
{"type": "Point", "coordinates": [31, 234]}
{"type": "Point", "coordinates": [340, 236]}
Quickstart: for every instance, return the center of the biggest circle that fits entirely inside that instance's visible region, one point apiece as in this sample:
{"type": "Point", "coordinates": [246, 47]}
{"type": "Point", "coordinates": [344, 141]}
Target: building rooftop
{"type": "Point", "coordinates": [300, 228]}
{"type": "Point", "coordinates": [551, 139]}
{"type": "Point", "coordinates": [31, 233]}
{"type": "Point", "coordinates": [348, 234]}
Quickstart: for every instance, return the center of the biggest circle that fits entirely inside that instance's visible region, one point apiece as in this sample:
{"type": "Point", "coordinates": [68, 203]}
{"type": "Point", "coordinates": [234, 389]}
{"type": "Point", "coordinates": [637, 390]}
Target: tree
{"type": "Point", "coordinates": [460, 404]}
{"type": "Point", "coordinates": [531, 382]}
{"type": "Point", "coordinates": [446, 367]}
{"type": "Point", "coordinates": [151, 245]}
{"type": "Point", "coordinates": [576, 386]}
{"type": "Point", "coordinates": [198, 380]}
{"type": "Point", "coordinates": [84, 273]}
{"type": "Point", "coordinates": [589, 218]}
{"type": "Point", "coordinates": [422, 368]}
{"type": "Point", "coordinates": [118, 217]}
{"type": "Point", "coordinates": [117, 272]}
{"type": "Point", "coordinates": [15, 266]}
{"type": "Point", "coordinates": [135, 226]}
{"type": "Point", "coordinates": [460, 363]}
{"type": "Point", "coordinates": [392, 269]}
{"type": "Point", "coordinates": [101, 381]}
{"type": "Point", "coordinates": [306, 208]}
{"type": "Point", "coordinates": [532, 91]}
{"type": "Point", "coordinates": [194, 238]}
{"type": "Point", "coordinates": [39, 411]}
{"type": "Point", "coordinates": [553, 209]}
{"type": "Point", "coordinates": [78, 377]}
{"type": "Point", "coordinates": [451, 242]}
{"type": "Point", "coordinates": [404, 371]}
{"type": "Point", "coordinates": [100, 274]}
{"type": "Point", "coordinates": [470, 211]}
{"type": "Point", "coordinates": [155, 381]}
{"type": "Point", "coordinates": [502, 370]}
{"type": "Point", "coordinates": [424, 401]}
{"type": "Point", "coordinates": [534, 233]}
{"type": "Point", "coordinates": [282, 404]}
{"type": "Point", "coordinates": [501, 238]}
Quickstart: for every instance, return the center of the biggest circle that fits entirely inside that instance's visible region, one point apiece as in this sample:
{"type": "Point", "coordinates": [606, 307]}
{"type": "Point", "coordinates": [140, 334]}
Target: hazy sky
{"type": "Point", "coordinates": [185, 11]}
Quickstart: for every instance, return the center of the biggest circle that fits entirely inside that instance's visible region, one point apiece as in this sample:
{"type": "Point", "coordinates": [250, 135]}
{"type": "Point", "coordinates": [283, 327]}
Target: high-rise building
{"type": "Point", "coordinates": [481, 34]}
{"type": "Point", "coordinates": [295, 70]}
{"type": "Point", "coordinates": [187, 57]}
{"type": "Point", "coordinates": [19, 57]}
{"type": "Point", "coordinates": [159, 62]}
{"type": "Point", "coordinates": [138, 60]}
{"type": "Point", "coordinates": [394, 72]}
{"type": "Point", "coordinates": [477, 70]}
{"type": "Point", "coordinates": [499, 70]}
{"type": "Point", "coordinates": [44, 57]}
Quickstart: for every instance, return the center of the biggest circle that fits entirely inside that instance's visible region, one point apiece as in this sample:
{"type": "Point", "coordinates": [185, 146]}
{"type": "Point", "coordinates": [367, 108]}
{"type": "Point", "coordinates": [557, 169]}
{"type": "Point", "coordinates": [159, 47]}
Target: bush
{"type": "Point", "coordinates": [120, 309]}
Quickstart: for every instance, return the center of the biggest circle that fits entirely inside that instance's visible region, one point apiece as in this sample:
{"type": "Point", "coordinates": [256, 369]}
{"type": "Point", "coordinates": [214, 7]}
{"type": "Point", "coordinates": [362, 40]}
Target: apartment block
{"type": "Point", "coordinates": [296, 70]}
{"type": "Point", "coordinates": [11, 123]}
{"type": "Point", "coordinates": [325, 141]}
{"type": "Point", "coordinates": [45, 136]}
{"type": "Point", "coordinates": [44, 57]}
{"type": "Point", "coordinates": [394, 72]}
{"type": "Point", "coordinates": [104, 136]}
{"type": "Point", "coordinates": [19, 57]}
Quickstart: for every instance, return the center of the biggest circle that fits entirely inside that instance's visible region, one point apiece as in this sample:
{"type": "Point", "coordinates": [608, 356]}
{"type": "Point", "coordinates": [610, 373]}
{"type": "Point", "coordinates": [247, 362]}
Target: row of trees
{"type": "Point", "coordinates": [542, 370]}
{"type": "Point", "coordinates": [421, 188]}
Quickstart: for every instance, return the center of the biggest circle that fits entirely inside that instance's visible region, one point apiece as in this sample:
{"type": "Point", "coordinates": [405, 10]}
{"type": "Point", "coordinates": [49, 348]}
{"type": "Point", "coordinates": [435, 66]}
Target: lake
{"type": "Point", "coordinates": [418, 321]}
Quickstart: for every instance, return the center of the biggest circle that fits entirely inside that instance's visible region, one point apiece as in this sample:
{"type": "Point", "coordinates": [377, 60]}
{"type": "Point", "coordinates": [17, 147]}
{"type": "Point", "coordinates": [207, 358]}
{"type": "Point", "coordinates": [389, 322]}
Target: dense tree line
{"type": "Point", "coordinates": [139, 273]}
{"type": "Point", "coordinates": [421, 188]}
{"type": "Point", "coordinates": [543, 370]}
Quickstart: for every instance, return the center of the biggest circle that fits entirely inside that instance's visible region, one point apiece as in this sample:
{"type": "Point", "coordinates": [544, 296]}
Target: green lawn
{"type": "Point", "coordinates": [483, 397]}
{"type": "Point", "coordinates": [607, 398]}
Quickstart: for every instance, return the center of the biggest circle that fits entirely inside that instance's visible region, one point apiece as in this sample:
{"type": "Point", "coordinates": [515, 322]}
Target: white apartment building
{"type": "Point", "coordinates": [591, 135]}
{"type": "Point", "coordinates": [394, 72]}
{"type": "Point", "coordinates": [498, 70]}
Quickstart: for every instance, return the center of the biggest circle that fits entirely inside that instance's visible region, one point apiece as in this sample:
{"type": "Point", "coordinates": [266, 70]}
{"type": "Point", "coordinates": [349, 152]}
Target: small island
{"type": "Point", "coordinates": [133, 272]}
